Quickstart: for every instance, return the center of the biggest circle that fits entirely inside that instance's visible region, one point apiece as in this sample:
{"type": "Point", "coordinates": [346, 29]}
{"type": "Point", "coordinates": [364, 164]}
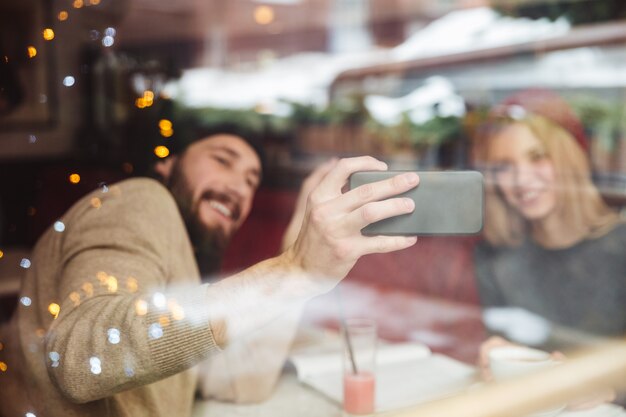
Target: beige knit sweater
{"type": "Point", "coordinates": [112, 314]}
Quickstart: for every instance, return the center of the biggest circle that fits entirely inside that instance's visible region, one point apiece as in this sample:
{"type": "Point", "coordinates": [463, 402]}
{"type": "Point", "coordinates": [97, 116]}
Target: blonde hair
{"type": "Point", "coordinates": [579, 201]}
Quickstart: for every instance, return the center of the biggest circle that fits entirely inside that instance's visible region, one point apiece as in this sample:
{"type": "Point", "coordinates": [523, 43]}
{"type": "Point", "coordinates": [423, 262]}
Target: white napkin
{"type": "Point", "coordinates": [406, 374]}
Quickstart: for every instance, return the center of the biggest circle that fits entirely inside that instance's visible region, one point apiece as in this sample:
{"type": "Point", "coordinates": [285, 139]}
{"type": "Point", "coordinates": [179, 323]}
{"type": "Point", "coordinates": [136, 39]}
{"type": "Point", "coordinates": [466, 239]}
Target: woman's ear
{"type": "Point", "coordinates": [164, 168]}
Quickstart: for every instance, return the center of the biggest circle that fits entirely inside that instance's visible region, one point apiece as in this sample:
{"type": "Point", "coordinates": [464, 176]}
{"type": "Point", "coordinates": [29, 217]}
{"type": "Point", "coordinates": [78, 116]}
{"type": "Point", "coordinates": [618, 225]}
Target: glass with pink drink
{"type": "Point", "coordinates": [359, 360]}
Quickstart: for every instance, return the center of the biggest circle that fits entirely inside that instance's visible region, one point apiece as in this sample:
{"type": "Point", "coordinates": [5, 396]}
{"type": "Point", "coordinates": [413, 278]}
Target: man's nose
{"type": "Point", "coordinates": [238, 185]}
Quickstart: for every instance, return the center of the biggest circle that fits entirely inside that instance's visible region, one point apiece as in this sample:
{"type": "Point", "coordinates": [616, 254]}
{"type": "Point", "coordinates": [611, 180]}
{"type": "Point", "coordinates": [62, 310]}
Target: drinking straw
{"type": "Point", "coordinates": [342, 320]}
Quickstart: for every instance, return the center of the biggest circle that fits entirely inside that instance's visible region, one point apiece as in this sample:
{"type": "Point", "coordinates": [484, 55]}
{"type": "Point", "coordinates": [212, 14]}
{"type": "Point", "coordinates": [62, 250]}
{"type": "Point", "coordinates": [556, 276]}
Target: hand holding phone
{"type": "Point", "coordinates": [446, 203]}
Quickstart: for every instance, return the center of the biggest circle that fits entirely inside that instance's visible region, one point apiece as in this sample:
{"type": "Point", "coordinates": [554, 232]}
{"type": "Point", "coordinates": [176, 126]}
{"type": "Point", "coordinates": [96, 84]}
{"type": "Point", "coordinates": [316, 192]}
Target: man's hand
{"type": "Point", "coordinates": [327, 247]}
{"type": "Point", "coordinates": [330, 240]}
{"type": "Point", "coordinates": [311, 181]}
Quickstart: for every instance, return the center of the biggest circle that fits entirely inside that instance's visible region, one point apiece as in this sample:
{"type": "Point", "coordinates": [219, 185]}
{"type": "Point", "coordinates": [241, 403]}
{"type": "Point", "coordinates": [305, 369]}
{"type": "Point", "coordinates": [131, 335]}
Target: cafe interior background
{"type": "Point", "coordinates": [96, 91]}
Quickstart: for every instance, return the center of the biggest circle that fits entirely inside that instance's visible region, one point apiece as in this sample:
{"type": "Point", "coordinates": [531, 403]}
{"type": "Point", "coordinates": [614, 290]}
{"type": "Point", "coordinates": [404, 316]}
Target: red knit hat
{"type": "Point", "coordinates": [550, 105]}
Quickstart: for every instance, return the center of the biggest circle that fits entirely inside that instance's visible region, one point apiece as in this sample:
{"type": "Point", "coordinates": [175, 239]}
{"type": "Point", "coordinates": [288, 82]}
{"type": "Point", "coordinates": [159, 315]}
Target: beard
{"type": "Point", "coordinates": [209, 243]}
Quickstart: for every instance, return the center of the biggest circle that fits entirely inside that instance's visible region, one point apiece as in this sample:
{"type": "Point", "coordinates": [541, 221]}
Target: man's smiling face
{"type": "Point", "coordinates": [214, 182]}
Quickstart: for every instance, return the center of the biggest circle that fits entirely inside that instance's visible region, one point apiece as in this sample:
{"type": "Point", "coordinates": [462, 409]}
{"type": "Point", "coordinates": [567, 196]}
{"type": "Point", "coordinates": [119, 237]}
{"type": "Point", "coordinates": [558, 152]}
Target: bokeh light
{"type": "Point", "coordinates": [69, 81]}
{"type": "Point", "coordinates": [74, 178]}
{"type": "Point", "coordinates": [75, 297]}
{"type": "Point", "coordinates": [132, 284]}
{"type": "Point", "coordinates": [164, 321]}
{"type": "Point", "coordinates": [166, 128]}
{"type": "Point", "coordinates": [178, 313]}
{"type": "Point", "coordinates": [54, 309]}
{"type": "Point", "coordinates": [88, 289]}
{"type": "Point", "coordinates": [102, 277]}
{"type": "Point", "coordinates": [48, 34]}
{"type": "Point", "coordinates": [96, 365]}
{"type": "Point", "coordinates": [3, 366]}
{"type": "Point", "coordinates": [54, 358]}
{"type": "Point", "coordinates": [59, 226]}
{"type": "Point", "coordinates": [155, 331]}
{"type": "Point", "coordinates": [141, 307]}
{"type": "Point", "coordinates": [263, 15]}
{"type": "Point", "coordinates": [32, 51]}
{"type": "Point", "coordinates": [146, 100]}
{"type": "Point", "coordinates": [1, 254]}
{"type": "Point", "coordinates": [63, 15]}
{"type": "Point", "coordinates": [25, 263]}
{"type": "Point", "coordinates": [113, 335]}
{"type": "Point", "coordinates": [111, 283]}
{"type": "Point", "coordinates": [78, 4]}
{"type": "Point", "coordinates": [161, 151]}
{"type": "Point", "coordinates": [108, 41]}
{"type": "Point", "coordinates": [96, 202]}
{"type": "Point", "coordinates": [159, 300]}
{"type": "Point", "coordinates": [165, 124]}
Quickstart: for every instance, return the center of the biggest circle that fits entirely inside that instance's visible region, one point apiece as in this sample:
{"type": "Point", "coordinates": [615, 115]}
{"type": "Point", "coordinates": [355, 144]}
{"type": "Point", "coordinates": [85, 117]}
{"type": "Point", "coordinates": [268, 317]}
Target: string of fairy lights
{"type": "Point", "coordinates": [51, 33]}
{"type": "Point", "coordinates": [263, 15]}
{"type": "Point", "coordinates": [145, 100]}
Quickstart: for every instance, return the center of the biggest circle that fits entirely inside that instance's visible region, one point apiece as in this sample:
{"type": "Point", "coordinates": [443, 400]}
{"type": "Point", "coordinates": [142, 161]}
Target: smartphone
{"type": "Point", "coordinates": [446, 203]}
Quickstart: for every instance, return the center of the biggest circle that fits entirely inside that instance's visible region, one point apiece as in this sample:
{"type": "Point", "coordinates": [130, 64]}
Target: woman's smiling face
{"type": "Point", "coordinates": [524, 172]}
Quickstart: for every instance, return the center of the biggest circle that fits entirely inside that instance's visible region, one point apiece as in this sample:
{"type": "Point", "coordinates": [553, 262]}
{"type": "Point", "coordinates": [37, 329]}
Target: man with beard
{"type": "Point", "coordinates": [248, 369]}
{"type": "Point", "coordinates": [113, 316]}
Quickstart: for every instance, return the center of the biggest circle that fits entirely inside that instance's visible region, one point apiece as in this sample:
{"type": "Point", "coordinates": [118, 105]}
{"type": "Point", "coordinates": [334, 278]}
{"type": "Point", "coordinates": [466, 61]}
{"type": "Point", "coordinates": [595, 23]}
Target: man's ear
{"type": "Point", "coordinates": [164, 168]}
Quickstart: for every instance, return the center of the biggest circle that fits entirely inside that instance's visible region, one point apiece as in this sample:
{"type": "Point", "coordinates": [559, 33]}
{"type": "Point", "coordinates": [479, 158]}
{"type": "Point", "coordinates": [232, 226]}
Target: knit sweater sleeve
{"type": "Point", "coordinates": [122, 321]}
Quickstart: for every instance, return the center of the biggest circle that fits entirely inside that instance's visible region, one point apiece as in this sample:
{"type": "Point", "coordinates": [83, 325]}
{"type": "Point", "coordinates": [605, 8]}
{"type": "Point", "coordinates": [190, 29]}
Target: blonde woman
{"type": "Point", "coordinates": [551, 245]}
{"type": "Point", "coordinates": [551, 269]}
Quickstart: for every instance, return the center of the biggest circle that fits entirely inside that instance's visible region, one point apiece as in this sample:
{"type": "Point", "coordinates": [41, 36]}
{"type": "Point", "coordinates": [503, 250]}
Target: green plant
{"type": "Point", "coordinates": [577, 12]}
{"type": "Point", "coordinates": [437, 131]}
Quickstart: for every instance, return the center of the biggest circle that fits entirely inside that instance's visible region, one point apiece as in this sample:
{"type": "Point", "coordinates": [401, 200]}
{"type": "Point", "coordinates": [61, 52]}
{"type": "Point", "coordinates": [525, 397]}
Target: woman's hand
{"type": "Point", "coordinates": [578, 404]}
{"type": "Point", "coordinates": [483, 356]}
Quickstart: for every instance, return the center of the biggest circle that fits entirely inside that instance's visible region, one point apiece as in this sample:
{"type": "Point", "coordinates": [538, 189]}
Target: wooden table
{"type": "Point", "coordinates": [451, 328]}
